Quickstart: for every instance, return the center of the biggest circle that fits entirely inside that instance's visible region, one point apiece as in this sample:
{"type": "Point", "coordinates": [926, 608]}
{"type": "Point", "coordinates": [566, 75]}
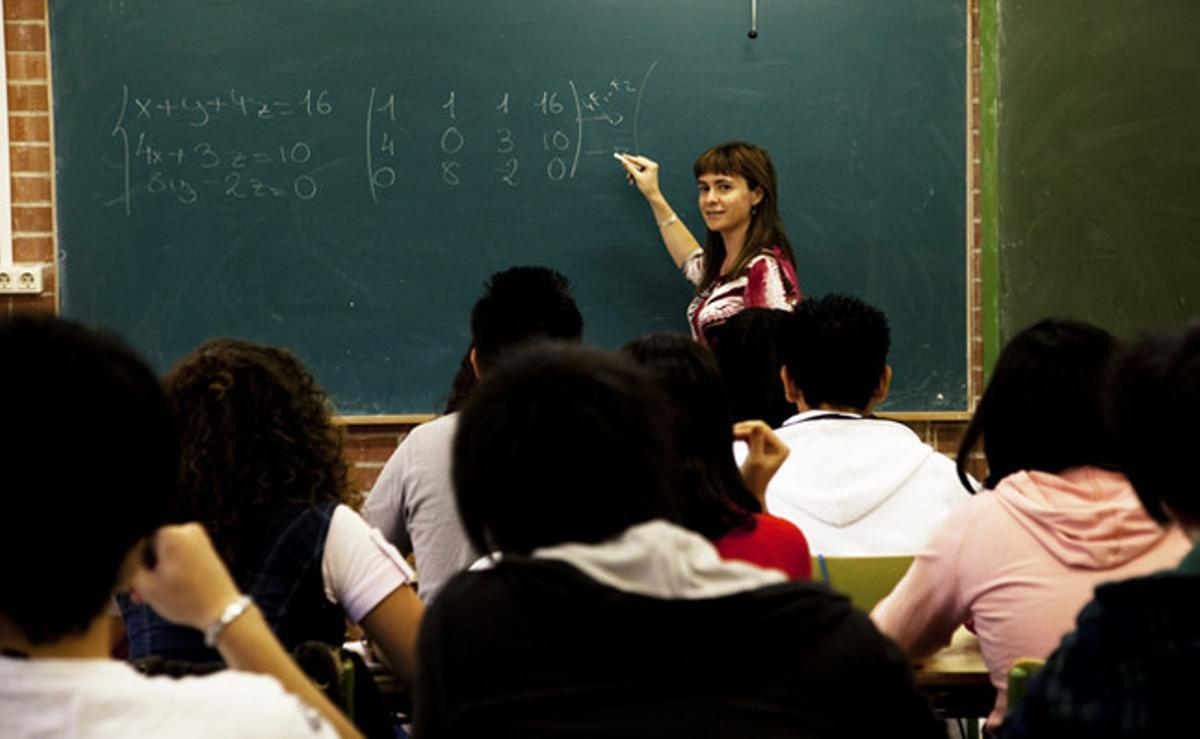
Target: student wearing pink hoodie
{"type": "Point", "coordinates": [1055, 520]}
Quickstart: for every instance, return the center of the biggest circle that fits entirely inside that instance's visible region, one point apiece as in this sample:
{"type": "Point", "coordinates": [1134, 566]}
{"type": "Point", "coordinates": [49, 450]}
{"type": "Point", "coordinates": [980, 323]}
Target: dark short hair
{"type": "Point", "coordinates": [89, 461]}
{"type": "Point", "coordinates": [521, 304]}
{"type": "Point", "coordinates": [748, 349]}
{"type": "Point", "coordinates": [255, 432]}
{"type": "Point", "coordinates": [711, 495]}
{"type": "Point", "coordinates": [1155, 387]}
{"type": "Point", "coordinates": [1043, 409]}
{"type": "Point", "coordinates": [561, 443]}
{"type": "Point", "coordinates": [836, 349]}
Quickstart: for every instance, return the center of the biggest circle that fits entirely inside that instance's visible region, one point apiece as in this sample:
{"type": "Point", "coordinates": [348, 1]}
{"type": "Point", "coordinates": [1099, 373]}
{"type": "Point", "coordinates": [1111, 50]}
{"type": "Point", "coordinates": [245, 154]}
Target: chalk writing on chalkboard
{"type": "Point", "coordinates": [178, 148]}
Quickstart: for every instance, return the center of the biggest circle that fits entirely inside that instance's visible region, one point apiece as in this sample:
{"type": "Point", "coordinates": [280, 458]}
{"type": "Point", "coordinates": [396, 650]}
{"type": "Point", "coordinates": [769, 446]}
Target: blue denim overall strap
{"type": "Point", "coordinates": [286, 580]}
{"type": "Point", "coordinates": [283, 575]}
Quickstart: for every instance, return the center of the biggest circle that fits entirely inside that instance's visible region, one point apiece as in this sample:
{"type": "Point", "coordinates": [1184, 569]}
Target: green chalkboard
{"type": "Point", "coordinates": [1099, 162]}
{"type": "Point", "coordinates": [340, 176]}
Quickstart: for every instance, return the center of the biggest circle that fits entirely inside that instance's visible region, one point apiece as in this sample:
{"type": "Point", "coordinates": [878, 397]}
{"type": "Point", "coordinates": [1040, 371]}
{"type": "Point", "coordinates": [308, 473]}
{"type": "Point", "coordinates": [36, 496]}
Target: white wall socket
{"type": "Point", "coordinates": [21, 279]}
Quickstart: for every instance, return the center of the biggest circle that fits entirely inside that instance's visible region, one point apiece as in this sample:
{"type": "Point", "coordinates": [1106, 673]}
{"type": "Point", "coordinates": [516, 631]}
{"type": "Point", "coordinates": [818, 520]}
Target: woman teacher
{"type": "Point", "coordinates": [747, 261]}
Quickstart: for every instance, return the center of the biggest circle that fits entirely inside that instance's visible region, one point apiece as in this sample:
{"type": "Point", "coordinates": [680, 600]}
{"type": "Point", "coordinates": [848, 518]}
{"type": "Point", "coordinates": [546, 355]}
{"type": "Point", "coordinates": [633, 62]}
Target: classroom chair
{"type": "Point", "coordinates": [1022, 671]}
{"type": "Point", "coordinates": [865, 580]}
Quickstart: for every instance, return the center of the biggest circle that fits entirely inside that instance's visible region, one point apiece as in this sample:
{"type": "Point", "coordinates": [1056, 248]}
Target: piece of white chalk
{"type": "Point", "coordinates": [624, 159]}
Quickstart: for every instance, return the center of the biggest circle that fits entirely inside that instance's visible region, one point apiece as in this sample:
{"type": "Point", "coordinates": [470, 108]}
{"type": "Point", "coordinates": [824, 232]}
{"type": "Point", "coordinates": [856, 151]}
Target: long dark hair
{"type": "Point", "coordinates": [712, 496]}
{"type": "Point", "coordinates": [766, 227]}
{"type": "Point", "coordinates": [1044, 407]}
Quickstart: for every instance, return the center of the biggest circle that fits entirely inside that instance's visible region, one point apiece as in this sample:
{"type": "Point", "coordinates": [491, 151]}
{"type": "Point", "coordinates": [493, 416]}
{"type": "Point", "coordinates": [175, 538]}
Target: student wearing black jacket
{"type": "Point", "coordinates": [602, 617]}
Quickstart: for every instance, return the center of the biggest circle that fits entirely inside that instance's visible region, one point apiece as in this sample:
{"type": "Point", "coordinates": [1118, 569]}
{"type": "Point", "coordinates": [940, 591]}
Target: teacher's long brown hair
{"type": "Point", "coordinates": [766, 227]}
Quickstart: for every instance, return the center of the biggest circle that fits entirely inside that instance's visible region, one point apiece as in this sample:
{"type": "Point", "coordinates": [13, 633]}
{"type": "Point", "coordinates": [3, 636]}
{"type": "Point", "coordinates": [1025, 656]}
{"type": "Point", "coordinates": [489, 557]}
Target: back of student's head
{"type": "Point", "coordinates": [748, 349]}
{"type": "Point", "coordinates": [521, 304]}
{"type": "Point", "coordinates": [711, 494]}
{"type": "Point", "coordinates": [88, 453]}
{"type": "Point", "coordinates": [461, 386]}
{"type": "Point", "coordinates": [255, 432]}
{"type": "Point", "coordinates": [836, 350]}
{"type": "Point", "coordinates": [561, 443]}
{"type": "Point", "coordinates": [1044, 408]}
{"type": "Point", "coordinates": [1155, 396]}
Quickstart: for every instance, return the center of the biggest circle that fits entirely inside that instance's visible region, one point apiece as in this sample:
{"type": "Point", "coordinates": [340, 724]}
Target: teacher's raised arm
{"type": "Point", "coordinates": [679, 241]}
{"type": "Point", "coordinates": [747, 260]}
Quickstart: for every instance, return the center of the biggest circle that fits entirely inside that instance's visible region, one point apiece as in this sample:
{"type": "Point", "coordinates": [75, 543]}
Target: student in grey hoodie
{"type": "Point", "coordinates": [855, 485]}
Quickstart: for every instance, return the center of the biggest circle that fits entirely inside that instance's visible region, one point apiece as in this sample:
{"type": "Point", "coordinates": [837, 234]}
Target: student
{"type": "Point", "coordinates": [602, 618]}
{"type": "Point", "coordinates": [262, 468]}
{"type": "Point", "coordinates": [747, 260]}
{"type": "Point", "coordinates": [89, 457]}
{"type": "Point", "coordinates": [461, 386]}
{"type": "Point", "coordinates": [1129, 668]}
{"type": "Point", "coordinates": [413, 498]}
{"type": "Point", "coordinates": [855, 485]}
{"type": "Point", "coordinates": [714, 499]}
{"type": "Point", "coordinates": [747, 348]}
{"type": "Point", "coordinates": [1056, 518]}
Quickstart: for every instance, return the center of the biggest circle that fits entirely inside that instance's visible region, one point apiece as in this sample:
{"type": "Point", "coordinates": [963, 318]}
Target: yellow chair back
{"type": "Point", "coordinates": [865, 580]}
{"type": "Point", "coordinates": [1019, 675]}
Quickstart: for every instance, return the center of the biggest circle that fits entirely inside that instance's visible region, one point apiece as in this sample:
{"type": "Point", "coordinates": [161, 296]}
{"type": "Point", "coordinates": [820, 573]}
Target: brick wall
{"type": "Point", "coordinates": [368, 446]}
{"type": "Point", "coordinates": [27, 64]}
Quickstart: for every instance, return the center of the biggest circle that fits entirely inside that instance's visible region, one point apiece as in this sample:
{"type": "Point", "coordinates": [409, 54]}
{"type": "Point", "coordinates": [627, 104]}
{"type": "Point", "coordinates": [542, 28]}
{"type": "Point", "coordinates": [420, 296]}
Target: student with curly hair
{"type": "Point", "coordinates": [262, 468]}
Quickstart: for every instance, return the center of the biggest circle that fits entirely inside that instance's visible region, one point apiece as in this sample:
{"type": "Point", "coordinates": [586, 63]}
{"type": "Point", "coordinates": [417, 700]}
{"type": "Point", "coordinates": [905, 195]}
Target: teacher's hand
{"type": "Point", "coordinates": [642, 172]}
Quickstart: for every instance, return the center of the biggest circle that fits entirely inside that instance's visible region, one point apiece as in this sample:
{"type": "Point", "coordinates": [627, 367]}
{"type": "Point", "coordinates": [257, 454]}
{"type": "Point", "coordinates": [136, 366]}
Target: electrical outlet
{"type": "Point", "coordinates": [21, 279]}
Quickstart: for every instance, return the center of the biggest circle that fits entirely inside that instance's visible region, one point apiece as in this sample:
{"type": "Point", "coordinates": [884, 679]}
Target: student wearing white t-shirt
{"type": "Point", "coordinates": [262, 468]}
{"type": "Point", "coordinates": [79, 522]}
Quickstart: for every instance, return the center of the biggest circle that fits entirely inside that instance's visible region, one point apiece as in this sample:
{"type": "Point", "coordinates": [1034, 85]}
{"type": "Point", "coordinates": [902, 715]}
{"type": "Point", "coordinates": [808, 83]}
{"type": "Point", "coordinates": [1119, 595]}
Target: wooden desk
{"type": "Point", "coordinates": [956, 679]}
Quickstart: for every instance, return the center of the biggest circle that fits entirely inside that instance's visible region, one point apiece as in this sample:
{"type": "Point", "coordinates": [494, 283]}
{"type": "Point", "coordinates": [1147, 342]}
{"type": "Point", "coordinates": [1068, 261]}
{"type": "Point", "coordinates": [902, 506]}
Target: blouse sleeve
{"type": "Point", "coordinates": [360, 568]}
{"type": "Point", "coordinates": [693, 267]}
{"type": "Point", "coordinates": [770, 284]}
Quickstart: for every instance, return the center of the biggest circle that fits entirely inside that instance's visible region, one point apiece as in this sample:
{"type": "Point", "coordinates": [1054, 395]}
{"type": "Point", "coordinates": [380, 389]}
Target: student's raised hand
{"type": "Point", "coordinates": [767, 453]}
{"type": "Point", "coordinates": [642, 172]}
{"type": "Point", "coordinates": [183, 578]}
